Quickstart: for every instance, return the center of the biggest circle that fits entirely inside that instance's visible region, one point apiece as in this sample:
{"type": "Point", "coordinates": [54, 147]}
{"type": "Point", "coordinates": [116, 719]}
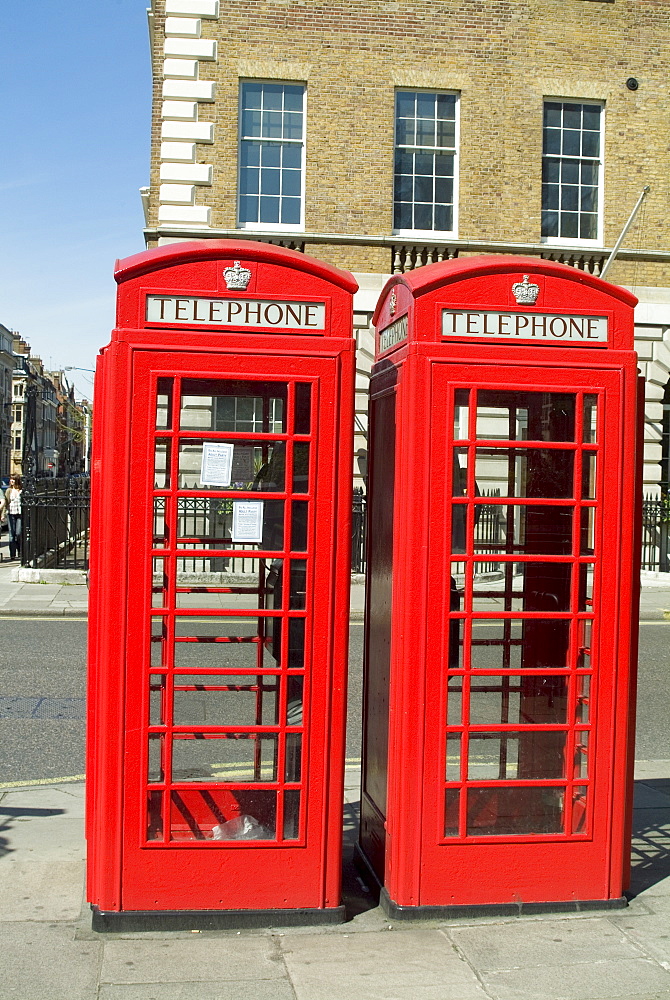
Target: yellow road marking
{"type": "Point", "coordinates": [42, 781]}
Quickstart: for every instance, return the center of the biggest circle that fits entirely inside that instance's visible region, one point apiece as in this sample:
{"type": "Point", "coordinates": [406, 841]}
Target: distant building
{"type": "Point", "coordinates": [6, 415]}
{"type": "Point", "coordinates": [35, 410]}
{"type": "Point", "coordinates": [71, 427]}
{"type": "Point", "coordinates": [380, 137]}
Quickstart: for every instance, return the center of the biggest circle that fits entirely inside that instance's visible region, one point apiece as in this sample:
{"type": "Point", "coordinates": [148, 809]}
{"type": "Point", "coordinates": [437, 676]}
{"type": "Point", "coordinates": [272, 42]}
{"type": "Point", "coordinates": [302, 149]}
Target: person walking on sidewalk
{"type": "Point", "coordinates": [10, 508]}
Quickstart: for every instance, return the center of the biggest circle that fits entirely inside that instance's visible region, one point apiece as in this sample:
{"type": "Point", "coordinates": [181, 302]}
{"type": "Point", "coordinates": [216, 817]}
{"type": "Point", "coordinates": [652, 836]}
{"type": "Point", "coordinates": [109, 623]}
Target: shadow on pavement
{"type": "Point", "coordinates": [357, 895]}
{"type": "Point", "coordinates": [9, 815]}
{"type": "Point", "coordinates": [650, 862]}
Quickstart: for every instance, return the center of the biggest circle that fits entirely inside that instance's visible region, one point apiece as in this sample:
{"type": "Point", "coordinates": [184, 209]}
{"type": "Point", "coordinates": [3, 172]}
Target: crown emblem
{"type": "Point", "coordinates": [393, 303]}
{"type": "Point", "coordinates": [237, 277]}
{"type": "Point", "coordinates": [524, 292]}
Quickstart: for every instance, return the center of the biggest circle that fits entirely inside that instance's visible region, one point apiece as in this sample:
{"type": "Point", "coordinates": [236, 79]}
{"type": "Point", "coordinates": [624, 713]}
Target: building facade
{"type": "Point", "coordinates": [380, 137]}
{"type": "Point", "coordinates": [6, 406]}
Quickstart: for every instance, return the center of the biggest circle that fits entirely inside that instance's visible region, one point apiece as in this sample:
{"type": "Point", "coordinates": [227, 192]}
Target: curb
{"type": "Point", "coordinates": [44, 612]}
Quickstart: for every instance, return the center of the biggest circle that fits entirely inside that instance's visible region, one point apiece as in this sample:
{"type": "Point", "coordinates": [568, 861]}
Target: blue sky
{"type": "Point", "coordinates": [75, 101]}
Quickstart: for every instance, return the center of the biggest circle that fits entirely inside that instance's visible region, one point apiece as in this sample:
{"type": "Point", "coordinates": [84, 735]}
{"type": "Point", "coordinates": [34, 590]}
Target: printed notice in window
{"type": "Point", "coordinates": [217, 463]}
{"type": "Point", "coordinates": [247, 521]}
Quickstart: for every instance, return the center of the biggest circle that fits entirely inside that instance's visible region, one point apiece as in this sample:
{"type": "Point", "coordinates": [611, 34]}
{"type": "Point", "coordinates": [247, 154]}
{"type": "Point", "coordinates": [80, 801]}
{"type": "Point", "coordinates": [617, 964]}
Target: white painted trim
{"type": "Point", "coordinates": [186, 110]}
{"type": "Point", "coordinates": [197, 48]}
{"type": "Point", "coordinates": [198, 90]}
{"type": "Point", "coordinates": [199, 8]}
{"type": "Point", "coordinates": [190, 215]}
{"type": "Point", "coordinates": [192, 173]}
{"type": "Point", "coordinates": [182, 152]}
{"type": "Point", "coordinates": [183, 27]}
{"type": "Point", "coordinates": [176, 194]}
{"type": "Point", "coordinates": [198, 131]}
{"type": "Point", "coordinates": [181, 69]}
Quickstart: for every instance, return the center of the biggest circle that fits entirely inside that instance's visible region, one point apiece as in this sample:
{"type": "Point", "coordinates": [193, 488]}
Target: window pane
{"type": "Point", "coordinates": [508, 811]}
{"type": "Point", "coordinates": [273, 113]}
{"type": "Point", "coordinates": [571, 130]}
{"type": "Point", "coordinates": [424, 120]}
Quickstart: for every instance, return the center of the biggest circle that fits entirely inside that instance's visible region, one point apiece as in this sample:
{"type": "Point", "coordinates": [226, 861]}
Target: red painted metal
{"type": "Point", "coordinates": [218, 652]}
{"type": "Point", "coordinates": [502, 607]}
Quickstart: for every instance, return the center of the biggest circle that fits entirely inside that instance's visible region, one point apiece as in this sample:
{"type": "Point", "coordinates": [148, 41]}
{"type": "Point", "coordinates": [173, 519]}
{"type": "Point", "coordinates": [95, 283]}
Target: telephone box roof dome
{"type": "Point", "coordinates": [191, 251]}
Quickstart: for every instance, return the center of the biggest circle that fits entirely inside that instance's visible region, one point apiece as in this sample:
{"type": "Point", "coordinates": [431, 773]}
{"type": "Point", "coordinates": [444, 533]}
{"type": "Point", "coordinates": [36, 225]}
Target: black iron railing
{"type": "Point", "coordinates": [655, 531]}
{"type": "Point", "coordinates": [358, 531]}
{"type": "Point", "coordinates": [56, 522]}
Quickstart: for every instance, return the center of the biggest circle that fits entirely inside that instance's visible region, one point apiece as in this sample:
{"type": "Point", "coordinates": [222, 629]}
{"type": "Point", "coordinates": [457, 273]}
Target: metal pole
{"type": "Point", "coordinates": [610, 259]}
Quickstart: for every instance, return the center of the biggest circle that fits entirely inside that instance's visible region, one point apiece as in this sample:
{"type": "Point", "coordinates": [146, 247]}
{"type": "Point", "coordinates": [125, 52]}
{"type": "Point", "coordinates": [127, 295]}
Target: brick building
{"type": "Point", "coordinates": [379, 137]}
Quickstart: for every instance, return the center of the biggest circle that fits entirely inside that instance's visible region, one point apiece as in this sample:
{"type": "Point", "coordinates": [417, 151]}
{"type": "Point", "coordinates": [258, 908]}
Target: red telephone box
{"type": "Point", "coordinates": [502, 589]}
{"type": "Point", "coordinates": [220, 590]}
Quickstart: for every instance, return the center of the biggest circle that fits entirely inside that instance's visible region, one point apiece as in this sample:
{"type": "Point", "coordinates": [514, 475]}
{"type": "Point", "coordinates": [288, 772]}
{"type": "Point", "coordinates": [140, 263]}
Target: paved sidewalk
{"type": "Point", "coordinates": [49, 951]}
{"type": "Point", "coordinates": [18, 597]}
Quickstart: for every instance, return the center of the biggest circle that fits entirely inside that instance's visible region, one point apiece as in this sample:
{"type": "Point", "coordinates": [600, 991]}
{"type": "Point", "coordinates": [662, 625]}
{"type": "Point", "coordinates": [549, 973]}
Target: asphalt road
{"type": "Point", "coordinates": [42, 687]}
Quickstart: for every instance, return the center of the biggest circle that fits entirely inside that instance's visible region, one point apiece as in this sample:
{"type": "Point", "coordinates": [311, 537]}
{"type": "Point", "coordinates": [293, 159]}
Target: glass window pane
{"type": "Point", "coordinates": [569, 224]}
{"type": "Point", "coordinates": [218, 642]}
{"type": "Point", "coordinates": [155, 771]}
{"type": "Point", "coordinates": [453, 761]}
{"type": "Point", "coordinates": [162, 454]}
{"type": "Point", "coordinates": [525, 473]}
{"type": "Point", "coordinates": [293, 756]}
{"type": "Point", "coordinates": [222, 814]}
{"type": "Point", "coordinates": [509, 811]}
{"type": "Point", "coordinates": [590, 143]}
{"type": "Point", "coordinates": [461, 412]}
{"type": "Point", "coordinates": [226, 699]}
{"type": "Point", "coordinates": [294, 700]}
{"type": "Point", "coordinates": [588, 476]}
{"type": "Point", "coordinates": [526, 586]}
{"type": "Point", "coordinates": [154, 815]}
{"type": "Point", "coordinates": [269, 210]}
{"type": "Point", "coordinates": [451, 811]}
{"type": "Point", "coordinates": [405, 104]}
{"type": "Point", "coordinates": [526, 699]}
{"type": "Point", "coordinates": [455, 701]}
{"type": "Point", "coordinates": [242, 757]}
{"type": "Point", "coordinates": [303, 399]}
{"type": "Point", "coordinates": [270, 181]}
{"type": "Point", "coordinates": [517, 643]}
{"type": "Point", "coordinates": [250, 154]}
{"type": "Point", "coordinates": [579, 805]}
{"type": "Point", "coordinates": [164, 404]}
{"type": "Point", "coordinates": [590, 419]}
{"type": "Point", "coordinates": [299, 515]}
{"type": "Point", "coordinates": [506, 756]}
{"type": "Point", "coordinates": [252, 95]}
{"type": "Point", "coordinates": [157, 699]}
{"type": "Point", "coordinates": [521, 528]}
{"type": "Point", "coordinates": [291, 814]}
{"type": "Point", "coordinates": [534, 416]}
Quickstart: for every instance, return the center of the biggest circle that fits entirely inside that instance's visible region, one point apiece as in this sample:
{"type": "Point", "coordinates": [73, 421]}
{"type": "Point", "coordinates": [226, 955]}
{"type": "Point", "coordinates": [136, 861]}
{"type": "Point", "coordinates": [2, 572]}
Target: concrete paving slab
{"type": "Point", "coordinates": [43, 962]}
{"type": "Point", "coordinates": [388, 965]}
{"type": "Point", "coordinates": [602, 980]}
{"type": "Point", "coordinates": [543, 943]}
{"type": "Point", "coordinates": [240, 990]}
{"type": "Point", "coordinates": [650, 933]}
{"type": "Point", "coordinates": [652, 794]}
{"type": "Point", "coordinates": [199, 958]}
{"type": "Point", "coordinates": [41, 890]}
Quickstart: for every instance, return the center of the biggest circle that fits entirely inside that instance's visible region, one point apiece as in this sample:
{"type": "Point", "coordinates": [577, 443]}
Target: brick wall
{"type": "Point", "coordinates": [503, 57]}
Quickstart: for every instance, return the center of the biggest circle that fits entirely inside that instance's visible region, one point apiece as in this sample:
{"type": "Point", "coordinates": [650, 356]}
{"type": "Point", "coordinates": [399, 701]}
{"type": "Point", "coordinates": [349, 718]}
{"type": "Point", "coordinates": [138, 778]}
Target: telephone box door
{"type": "Point", "coordinates": [229, 670]}
{"type": "Point", "coordinates": [520, 726]}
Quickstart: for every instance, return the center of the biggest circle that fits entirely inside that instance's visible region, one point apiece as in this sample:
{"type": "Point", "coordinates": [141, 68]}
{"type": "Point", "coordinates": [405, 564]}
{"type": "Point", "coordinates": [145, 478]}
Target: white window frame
{"type": "Point", "coordinates": [578, 240]}
{"type": "Point", "coordinates": [437, 233]}
{"type": "Point", "coordinates": [279, 227]}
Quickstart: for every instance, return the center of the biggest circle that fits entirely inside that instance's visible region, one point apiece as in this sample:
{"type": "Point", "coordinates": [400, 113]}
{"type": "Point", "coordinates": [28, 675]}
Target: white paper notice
{"type": "Point", "coordinates": [247, 521]}
{"type": "Point", "coordinates": [217, 463]}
